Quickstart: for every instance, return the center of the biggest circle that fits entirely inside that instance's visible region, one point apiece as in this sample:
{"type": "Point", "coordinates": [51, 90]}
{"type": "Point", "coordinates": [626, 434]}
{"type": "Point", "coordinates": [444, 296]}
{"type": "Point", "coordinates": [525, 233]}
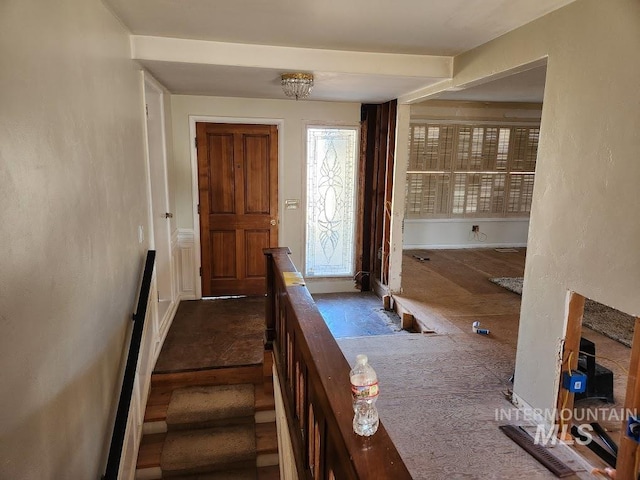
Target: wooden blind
{"type": "Point", "coordinates": [470, 170]}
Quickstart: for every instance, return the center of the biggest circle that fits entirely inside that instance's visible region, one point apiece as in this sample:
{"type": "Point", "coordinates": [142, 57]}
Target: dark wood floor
{"type": "Point", "coordinates": [209, 334]}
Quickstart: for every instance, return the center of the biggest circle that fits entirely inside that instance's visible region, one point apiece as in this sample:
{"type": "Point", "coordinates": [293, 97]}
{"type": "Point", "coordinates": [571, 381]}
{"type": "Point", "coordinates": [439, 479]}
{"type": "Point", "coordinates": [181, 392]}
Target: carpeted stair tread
{"type": "Point", "coordinates": [207, 405]}
{"type": "Point", "coordinates": [210, 449]}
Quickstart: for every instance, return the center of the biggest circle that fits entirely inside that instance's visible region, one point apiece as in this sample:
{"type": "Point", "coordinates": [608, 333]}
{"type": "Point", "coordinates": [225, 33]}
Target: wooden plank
{"type": "Point", "coordinates": [388, 189]}
{"type": "Point", "coordinates": [217, 376]}
{"type": "Point", "coordinates": [360, 203]}
{"type": "Point", "coordinates": [386, 302]}
{"type": "Point", "coordinates": [264, 401]}
{"type": "Point", "coordinates": [626, 463]}
{"type": "Point", "coordinates": [155, 413]}
{"type": "Point", "coordinates": [365, 218]}
{"type": "Point", "coordinates": [150, 450]}
{"type": "Point", "coordinates": [379, 187]}
{"type": "Point", "coordinates": [266, 438]}
{"type": "Point", "coordinates": [407, 321]}
{"type": "Point", "coordinates": [570, 355]}
{"type": "Point", "coordinates": [269, 473]}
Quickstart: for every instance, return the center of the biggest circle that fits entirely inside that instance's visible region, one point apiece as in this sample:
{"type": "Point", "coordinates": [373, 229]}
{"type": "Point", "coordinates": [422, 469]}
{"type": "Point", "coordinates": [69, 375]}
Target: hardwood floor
{"type": "Point", "coordinates": [451, 290]}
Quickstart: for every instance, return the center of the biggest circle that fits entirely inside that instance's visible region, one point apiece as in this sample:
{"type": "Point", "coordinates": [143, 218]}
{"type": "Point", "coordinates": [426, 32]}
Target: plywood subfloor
{"type": "Point", "coordinates": [451, 290]}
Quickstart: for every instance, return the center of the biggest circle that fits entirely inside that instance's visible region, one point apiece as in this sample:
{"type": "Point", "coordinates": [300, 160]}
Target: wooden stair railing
{"type": "Point", "coordinates": [314, 381]}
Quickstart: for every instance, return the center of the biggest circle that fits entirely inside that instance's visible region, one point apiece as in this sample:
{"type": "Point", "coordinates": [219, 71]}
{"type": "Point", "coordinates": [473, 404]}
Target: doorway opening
{"type": "Point", "coordinates": [160, 238]}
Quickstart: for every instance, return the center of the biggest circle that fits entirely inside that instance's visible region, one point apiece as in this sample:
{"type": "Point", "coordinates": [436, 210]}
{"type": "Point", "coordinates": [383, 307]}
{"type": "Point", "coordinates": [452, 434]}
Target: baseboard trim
{"type": "Point", "coordinates": [463, 245]}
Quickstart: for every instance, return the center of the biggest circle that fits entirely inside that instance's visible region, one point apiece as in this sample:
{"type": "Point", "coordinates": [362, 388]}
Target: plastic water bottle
{"type": "Point", "coordinates": [364, 389]}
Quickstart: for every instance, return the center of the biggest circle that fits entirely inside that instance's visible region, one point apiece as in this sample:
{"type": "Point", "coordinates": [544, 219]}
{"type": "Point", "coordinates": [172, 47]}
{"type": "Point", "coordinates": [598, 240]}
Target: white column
{"type": "Point", "coordinates": [398, 197]}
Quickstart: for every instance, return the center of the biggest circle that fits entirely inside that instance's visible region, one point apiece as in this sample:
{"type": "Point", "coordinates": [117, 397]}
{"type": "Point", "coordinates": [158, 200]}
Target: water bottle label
{"type": "Point", "coordinates": [365, 391]}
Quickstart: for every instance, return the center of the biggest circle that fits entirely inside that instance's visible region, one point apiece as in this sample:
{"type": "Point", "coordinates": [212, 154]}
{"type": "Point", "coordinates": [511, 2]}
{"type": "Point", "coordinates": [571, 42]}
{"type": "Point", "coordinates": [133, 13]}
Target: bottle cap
{"type": "Point", "coordinates": [362, 359]}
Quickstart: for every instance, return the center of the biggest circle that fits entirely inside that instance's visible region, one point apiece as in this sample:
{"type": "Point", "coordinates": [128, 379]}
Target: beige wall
{"type": "Point", "coordinates": [72, 194]}
{"type": "Point", "coordinates": [585, 233]}
{"type": "Point", "coordinates": [294, 115]}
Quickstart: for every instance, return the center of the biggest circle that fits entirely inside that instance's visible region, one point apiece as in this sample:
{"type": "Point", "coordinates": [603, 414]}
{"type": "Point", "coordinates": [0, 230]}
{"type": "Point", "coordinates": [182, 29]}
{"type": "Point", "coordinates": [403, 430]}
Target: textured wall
{"type": "Point", "coordinates": [584, 233]}
{"type": "Point", "coordinates": [72, 194]}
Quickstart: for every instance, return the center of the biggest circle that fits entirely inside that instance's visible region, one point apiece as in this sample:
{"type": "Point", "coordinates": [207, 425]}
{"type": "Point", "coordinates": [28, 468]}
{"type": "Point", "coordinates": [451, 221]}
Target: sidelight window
{"type": "Point", "coordinates": [331, 201]}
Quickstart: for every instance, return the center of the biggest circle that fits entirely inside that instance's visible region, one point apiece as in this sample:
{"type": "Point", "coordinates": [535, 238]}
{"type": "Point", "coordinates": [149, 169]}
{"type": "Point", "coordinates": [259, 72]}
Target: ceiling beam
{"type": "Point", "coordinates": [289, 58]}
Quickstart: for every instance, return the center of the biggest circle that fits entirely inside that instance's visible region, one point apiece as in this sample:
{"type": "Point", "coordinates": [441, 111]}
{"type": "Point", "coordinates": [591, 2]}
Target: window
{"type": "Point", "coordinates": [470, 170]}
{"type": "Point", "coordinates": [331, 199]}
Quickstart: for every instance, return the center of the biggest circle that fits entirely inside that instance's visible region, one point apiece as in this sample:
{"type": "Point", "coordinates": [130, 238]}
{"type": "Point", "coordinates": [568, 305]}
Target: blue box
{"type": "Point", "coordinates": [574, 381]}
{"type": "Point", "coordinates": [633, 428]}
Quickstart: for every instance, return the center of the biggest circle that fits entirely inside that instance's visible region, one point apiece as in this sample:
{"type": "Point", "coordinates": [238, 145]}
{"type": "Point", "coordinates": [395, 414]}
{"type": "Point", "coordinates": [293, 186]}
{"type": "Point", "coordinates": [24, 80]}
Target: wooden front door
{"type": "Point", "coordinates": [238, 190]}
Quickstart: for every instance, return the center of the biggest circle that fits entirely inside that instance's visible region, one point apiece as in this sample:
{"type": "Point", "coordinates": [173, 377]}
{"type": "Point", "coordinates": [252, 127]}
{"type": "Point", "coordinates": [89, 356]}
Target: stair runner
{"type": "Point", "coordinates": [211, 435]}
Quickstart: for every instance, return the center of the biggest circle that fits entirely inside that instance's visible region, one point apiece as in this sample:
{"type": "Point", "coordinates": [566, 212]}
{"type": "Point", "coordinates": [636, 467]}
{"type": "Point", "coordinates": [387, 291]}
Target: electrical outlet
{"type": "Point", "coordinates": [475, 228]}
{"type": "Point", "coordinates": [574, 381]}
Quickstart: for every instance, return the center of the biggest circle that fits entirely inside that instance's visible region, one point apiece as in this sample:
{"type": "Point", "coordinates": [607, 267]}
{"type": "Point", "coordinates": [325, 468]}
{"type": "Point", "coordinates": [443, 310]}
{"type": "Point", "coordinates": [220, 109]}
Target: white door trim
{"type": "Point", "coordinates": [193, 119]}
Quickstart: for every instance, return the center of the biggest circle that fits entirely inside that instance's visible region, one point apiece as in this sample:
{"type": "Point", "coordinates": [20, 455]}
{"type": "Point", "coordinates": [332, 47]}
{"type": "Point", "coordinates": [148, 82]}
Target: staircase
{"type": "Point", "coordinates": [210, 425]}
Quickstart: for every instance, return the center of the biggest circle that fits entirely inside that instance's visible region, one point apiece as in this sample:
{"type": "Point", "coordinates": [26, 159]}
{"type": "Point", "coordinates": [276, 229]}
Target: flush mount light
{"type": "Point", "coordinates": [297, 85]}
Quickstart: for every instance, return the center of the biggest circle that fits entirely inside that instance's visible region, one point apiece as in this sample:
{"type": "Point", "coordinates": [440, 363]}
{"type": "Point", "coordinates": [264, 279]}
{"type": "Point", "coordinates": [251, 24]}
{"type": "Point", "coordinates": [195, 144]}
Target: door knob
{"type": "Point", "coordinates": [273, 221]}
{"type": "Point", "coordinates": [168, 215]}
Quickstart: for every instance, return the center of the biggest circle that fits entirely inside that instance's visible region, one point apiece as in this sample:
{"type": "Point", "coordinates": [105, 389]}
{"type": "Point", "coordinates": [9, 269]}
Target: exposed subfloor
{"type": "Point", "coordinates": [448, 293]}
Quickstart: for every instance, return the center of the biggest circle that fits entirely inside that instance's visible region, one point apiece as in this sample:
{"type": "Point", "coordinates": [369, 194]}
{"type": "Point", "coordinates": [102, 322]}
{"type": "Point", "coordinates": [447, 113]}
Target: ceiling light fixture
{"type": "Point", "coordinates": [297, 85]}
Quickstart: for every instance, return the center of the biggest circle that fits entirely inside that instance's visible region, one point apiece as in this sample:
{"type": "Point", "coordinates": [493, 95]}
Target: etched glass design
{"type": "Point", "coordinates": [331, 195]}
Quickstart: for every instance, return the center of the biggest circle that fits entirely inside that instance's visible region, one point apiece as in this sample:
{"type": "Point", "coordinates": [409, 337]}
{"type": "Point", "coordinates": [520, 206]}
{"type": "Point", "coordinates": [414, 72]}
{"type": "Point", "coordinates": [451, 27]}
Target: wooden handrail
{"type": "Point", "coordinates": [316, 391]}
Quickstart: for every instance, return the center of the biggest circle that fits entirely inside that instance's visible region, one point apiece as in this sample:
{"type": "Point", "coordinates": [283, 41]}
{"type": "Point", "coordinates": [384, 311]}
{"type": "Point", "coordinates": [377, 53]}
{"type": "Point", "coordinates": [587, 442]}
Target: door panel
{"type": "Point", "coordinates": [222, 183]}
{"type": "Point", "coordinates": [256, 178]}
{"type": "Point", "coordinates": [255, 241]}
{"type": "Point", "coordinates": [221, 241]}
{"type": "Point", "coordinates": [237, 181]}
{"type": "Point", "coordinates": [160, 234]}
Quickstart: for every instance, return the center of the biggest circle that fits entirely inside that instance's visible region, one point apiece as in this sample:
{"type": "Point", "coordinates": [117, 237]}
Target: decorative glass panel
{"type": "Point", "coordinates": [331, 178]}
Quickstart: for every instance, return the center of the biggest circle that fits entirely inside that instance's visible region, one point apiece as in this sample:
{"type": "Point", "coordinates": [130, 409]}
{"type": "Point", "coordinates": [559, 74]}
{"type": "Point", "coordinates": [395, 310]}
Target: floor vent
{"type": "Point", "coordinates": [540, 453]}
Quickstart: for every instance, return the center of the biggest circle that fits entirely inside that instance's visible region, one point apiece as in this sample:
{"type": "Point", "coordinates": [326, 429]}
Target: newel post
{"type": "Point", "coordinates": [271, 304]}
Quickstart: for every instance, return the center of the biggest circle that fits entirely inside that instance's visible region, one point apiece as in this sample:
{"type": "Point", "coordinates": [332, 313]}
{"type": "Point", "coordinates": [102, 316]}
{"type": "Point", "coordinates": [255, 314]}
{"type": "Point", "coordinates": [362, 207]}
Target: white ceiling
{"type": "Point", "coordinates": [419, 27]}
{"type": "Point", "coordinates": [232, 81]}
